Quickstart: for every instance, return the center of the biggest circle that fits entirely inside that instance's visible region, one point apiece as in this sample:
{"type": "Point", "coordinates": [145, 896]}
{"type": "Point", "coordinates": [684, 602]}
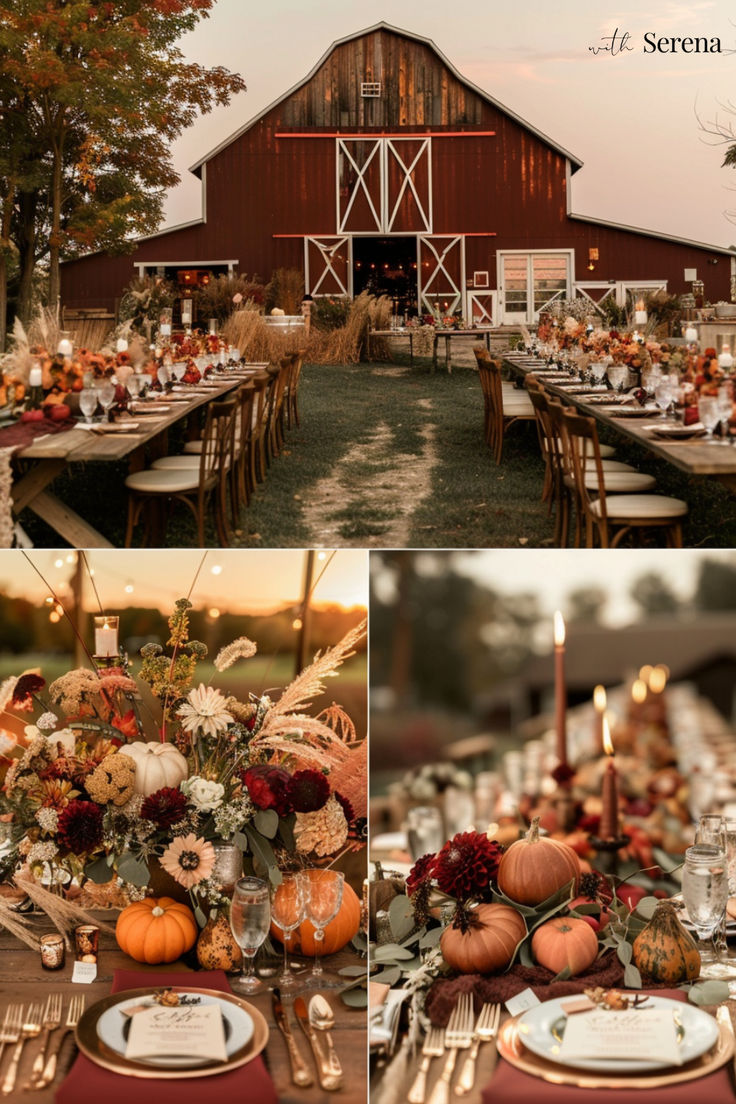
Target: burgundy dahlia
{"type": "Point", "coordinates": [80, 826]}
{"type": "Point", "coordinates": [268, 788]}
{"type": "Point", "coordinates": [308, 791]}
{"type": "Point", "coordinates": [25, 688]}
{"type": "Point", "coordinates": [164, 807]}
{"type": "Point", "coordinates": [346, 807]}
{"type": "Point", "coordinates": [420, 873]}
{"type": "Point", "coordinates": [466, 865]}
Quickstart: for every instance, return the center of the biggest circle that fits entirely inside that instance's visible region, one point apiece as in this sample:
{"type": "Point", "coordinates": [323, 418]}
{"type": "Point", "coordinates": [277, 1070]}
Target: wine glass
{"type": "Point", "coordinates": [709, 413]}
{"type": "Point", "coordinates": [88, 402]}
{"type": "Point", "coordinates": [424, 830]}
{"type": "Point", "coordinates": [705, 892]}
{"type": "Point", "coordinates": [663, 394]}
{"type": "Point", "coordinates": [250, 920]}
{"type": "Point", "coordinates": [288, 909]}
{"type": "Point", "coordinates": [180, 370]}
{"type": "Point", "coordinates": [106, 394]}
{"type": "Point", "coordinates": [725, 409]}
{"type": "Point", "coordinates": [163, 375]}
{"type": "Point", "coordinates": [323, 904]}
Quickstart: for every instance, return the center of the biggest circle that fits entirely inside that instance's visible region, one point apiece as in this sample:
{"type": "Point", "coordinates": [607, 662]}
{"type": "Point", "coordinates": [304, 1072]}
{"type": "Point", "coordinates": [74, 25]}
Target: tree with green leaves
{"type": "Point", "coordinates": [103, 90]}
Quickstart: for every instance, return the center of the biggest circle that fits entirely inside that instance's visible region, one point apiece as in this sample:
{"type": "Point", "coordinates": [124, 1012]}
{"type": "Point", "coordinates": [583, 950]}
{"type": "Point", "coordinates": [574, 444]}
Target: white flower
{"type": "Point", "coordinates": [41, 852]}
{"type": "Point", "coordinates": [204, 709]}
{"type": "Point", "coordinates": [47, 721]}
{"type": "Point", "coordinates": [31, 732]}
{"type": "Point", "coordinates": [47, 819]}
{"type": "Point", "coordinates": [204, 795]}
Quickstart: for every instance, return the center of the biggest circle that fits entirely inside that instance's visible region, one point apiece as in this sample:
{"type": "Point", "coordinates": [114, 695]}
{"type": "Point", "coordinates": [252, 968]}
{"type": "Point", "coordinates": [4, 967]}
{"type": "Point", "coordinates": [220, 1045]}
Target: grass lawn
{"type": "Point", "coordinates": [389, 454]}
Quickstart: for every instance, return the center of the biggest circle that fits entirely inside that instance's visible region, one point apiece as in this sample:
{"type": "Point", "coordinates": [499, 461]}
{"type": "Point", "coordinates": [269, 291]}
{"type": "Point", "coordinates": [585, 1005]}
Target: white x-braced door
{"type": "Point", "coordinates": [384, 185]}
{"type": "Point", "coordinates": [328, 266]}
{"type": "Point", "coordinates": [441, 273]}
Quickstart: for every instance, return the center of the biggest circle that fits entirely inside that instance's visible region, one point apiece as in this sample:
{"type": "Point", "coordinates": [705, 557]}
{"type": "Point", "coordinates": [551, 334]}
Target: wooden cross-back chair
{"type": "Point", "coordinates": [504, 404]}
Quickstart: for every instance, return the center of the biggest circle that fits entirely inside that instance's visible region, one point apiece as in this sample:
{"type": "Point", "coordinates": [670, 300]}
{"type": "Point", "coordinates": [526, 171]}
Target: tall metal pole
{"type": "Point", "coordinates": [77, 612]}
{"type": "Point", "coordinates": [306, 612]}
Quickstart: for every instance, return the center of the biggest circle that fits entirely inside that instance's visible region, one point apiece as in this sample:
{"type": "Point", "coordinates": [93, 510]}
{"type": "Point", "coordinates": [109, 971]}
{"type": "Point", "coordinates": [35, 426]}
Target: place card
{"type": "Point", "coordinates": [191, 1031]}
{"type": "Point", "coordinates": [629, 1035]}
{"type": "Point", "coordinates": [522, 1002]}
{"type": "Point", "coordinates": [84, 973]}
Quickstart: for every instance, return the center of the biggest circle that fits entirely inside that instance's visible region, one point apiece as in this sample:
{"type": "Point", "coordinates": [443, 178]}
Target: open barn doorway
{"type": "Point", "coordinates": [387, 266]}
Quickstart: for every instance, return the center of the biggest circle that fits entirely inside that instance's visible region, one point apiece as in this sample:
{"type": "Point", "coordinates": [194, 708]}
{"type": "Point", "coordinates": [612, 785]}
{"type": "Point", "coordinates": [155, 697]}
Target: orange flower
{"type": "Point", "coordinates": [189, 860]}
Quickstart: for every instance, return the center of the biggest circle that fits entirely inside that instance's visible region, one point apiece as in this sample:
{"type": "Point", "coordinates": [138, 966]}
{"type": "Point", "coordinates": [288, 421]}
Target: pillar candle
{"type": "Point", "coordinates": [609, 812]}
{"type": "Point", "coordinates": [560, 689]}
{"type": "Point", "coordinates": [106, 640]}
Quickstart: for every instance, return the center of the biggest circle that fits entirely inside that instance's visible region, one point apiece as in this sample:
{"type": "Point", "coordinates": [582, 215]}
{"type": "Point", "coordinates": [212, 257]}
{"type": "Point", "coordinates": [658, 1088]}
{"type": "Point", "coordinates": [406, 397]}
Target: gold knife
{"type": "Point", "coordinates": [723, 1017]}
{"type": "Point", "coordinates": [329, 1080]}
{"type": "Point", "coordinates": [300, 1075]}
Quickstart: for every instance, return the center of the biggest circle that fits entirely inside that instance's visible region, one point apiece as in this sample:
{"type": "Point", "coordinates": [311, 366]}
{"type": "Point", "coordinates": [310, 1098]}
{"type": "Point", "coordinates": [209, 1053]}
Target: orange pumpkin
{"type": "Point", "coordinates": [488, 945]}
{"type": "Point", "coordinates": [156, 929]}
{"type": "Point", "coordinates": [566, 942]}
{"type": "Point", "coordinates": [537, 866]}
{"type": "Point", "coordinates": [338, 932]}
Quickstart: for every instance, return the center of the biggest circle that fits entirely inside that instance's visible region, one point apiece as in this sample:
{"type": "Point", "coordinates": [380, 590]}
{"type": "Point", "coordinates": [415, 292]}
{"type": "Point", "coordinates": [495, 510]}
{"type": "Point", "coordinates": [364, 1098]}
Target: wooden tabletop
{"type": "Point", "coordinates": [695, 456]}
{"type": "Point", "coordinates": [23, 979]}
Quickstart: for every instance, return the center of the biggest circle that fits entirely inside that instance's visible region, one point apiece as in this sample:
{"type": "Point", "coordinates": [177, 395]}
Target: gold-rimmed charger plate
{"type": "Point", "coordinates": [93, 1047]}
{"type": "Point", "coordinates": [513, 1050]}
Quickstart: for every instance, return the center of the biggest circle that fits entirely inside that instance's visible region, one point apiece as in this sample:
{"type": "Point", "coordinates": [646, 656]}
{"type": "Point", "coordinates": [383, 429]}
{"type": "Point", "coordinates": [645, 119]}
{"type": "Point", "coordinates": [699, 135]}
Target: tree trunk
{"type": "Point", "coordinates": [55, 235]}
{"type": "Point", "coordinates": [28, 205]}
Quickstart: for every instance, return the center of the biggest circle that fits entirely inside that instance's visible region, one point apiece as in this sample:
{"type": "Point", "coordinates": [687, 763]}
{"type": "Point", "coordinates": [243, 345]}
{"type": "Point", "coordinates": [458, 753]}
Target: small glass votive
{"type": "Point", "coordinates": [87, 940]}
{"type": "Point", "coordinates": [52, 951]}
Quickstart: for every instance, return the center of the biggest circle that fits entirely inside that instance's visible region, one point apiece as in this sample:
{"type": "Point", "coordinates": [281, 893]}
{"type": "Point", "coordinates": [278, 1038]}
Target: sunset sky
{"type": "Point", "coordinates": [251, 581]}
{"type": "Point", "coordinates": [632, 118]}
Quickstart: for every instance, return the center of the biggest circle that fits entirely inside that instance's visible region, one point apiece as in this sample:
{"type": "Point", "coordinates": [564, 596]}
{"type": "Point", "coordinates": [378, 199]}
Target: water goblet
{"type": "Point", "coordinates": [106, 394]}
{"type": "Point", "coordinates": [709, 413]}
{"type": "Point", "coordinates": [323, 904]}
{"type": "Point", "coordinates": [663, 394]}
{"type": "Point", "coordinates": [250, 921]}
{"type": "Point", "coordinates": [705, 892]}
{"type": "Point", "coordinates": [288, 909]}
{"type": "Point", "coordinates": [424, 830]}
{"type": "Point", "coordinates": [88, 403]}
{"type": "Point", "coordinates": [163, 375]}
{"type": "Point", "coordinates": [180, 370]}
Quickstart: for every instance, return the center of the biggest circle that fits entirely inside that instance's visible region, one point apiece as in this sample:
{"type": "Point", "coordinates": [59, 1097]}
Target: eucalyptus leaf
{"type": "Point", "coordinates": [200, 917]}
{"type": "Point", "coordinates": [241, 840]}
{"type": "Point", "coordinates": [632, 977]}
{"type": "Point", "coordinates": [391, 952]}
{"type": "Point", "coordinates": [133, 870]}
{"type": "Point", "coordinates": [263, 855]}
{"type": "Point", "coordinates": [587, 908]}
{"type": "Point", "coordinates": [709, 992]}
{"type": "Point", "coordinates": [401, 917]}
{"type": "Point", "coordinates": [267, 822]}
{"type": "Point", "coordinates": [389, 976]}
{"type": "Point", "coordinates": [564, 975]}
{"type": "Point", "coordinates": [525, 953]}
{"type": "Point", "coordinates": [355, 998]}
{"type": "Point", "coordinates": [99, 871]}
{"type": "Point", "coordinates": [646, 907]}
{"type": "Point", "coordinates": [624, 952]}
{"type": "Point", "coordinates": [352, 971]}
{"type": "Point", "coordinates": [430, 938]}
{"type": "Point", "coordinates": [286, 831]}
{"type": "Point", "coordinates": [667, 863]}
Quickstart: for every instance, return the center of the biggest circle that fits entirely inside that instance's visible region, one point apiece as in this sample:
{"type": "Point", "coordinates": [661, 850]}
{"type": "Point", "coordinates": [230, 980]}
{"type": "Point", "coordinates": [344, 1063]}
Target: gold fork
{"type": "Point", "coordinates": [51, 1020]}
{"type": "Point", "coordinates": [11, 1026]}
{"type": "Point", "coordinates": [458, 1033]}
{"type": "Point", "coordinates": [486, 1029]}
{"type": "Point", "coordinates": [30, 1027]}
{"type": "Point", "coordinates": [74, 1014]}
{"type": "Point", "coordinates": [434, 1047]}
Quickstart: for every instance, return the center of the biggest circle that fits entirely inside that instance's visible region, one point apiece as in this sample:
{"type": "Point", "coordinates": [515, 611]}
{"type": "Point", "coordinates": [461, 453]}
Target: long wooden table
{"type": "Point", "coordinates": [695, 455]}
{"type": "Point", "coordinates": [49, 456]}
{"type": "Point", "coordinates": [23, 979]}
{"type": "Point", "coordinates": [481, 333]}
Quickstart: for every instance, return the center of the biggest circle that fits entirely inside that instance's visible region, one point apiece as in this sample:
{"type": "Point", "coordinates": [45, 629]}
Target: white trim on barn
{"type": "Point", "coordinates": [143, 265]}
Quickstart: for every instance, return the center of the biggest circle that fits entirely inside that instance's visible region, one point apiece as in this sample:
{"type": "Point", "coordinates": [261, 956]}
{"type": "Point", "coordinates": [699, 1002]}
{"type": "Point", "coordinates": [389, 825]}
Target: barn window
{"type": "Point", "coordinates": [370, 90]}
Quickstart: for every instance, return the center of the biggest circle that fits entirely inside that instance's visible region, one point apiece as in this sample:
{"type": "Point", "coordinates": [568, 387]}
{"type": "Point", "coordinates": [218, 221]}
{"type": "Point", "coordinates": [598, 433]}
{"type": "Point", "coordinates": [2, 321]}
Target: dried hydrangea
{"type": "Point", "coordinates": [47, 722]}
{"type": "Point", "coordinates": [73, 689]}
{"type": "Point", "coordinates": [47, 819]}
{"type": "Point", "coordinates": [112, 780]}
{"type": "Point", "coordinates": [324, 831]}
{"type": "Point", "coordinates": [43, 851]}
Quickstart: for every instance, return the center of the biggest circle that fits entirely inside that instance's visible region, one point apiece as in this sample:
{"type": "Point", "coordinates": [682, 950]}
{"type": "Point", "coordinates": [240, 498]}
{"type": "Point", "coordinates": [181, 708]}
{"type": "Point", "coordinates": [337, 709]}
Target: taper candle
{"type": "Point", "coordinates": [609, 813]}
{"type": "Point", "coordinates": [560, 689]}
{"type": "Point", "coordinates": [599, 704]}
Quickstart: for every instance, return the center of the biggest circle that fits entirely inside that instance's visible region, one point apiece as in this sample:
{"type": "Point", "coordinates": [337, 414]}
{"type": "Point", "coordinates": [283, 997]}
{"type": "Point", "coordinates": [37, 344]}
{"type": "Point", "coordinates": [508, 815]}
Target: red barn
{"type": "Point", "coordinates": [385, 168]}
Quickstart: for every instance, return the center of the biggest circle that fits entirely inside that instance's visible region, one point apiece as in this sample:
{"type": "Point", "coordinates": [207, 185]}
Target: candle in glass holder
{"type": "Point", "coordinates": [35, 376]}
{"type": "Point", "coordinates": [599, 704]}
{"type": "Point", "coordinates": [65, 347]}
{"type": "Point", "coordinates": [106, 636]}
{"type": "Point", "coordinates": [609, 813]}
{"type": "Point", "coordinates": [691, 335]}
{"type": "Point", "coordinates": [560, 691]}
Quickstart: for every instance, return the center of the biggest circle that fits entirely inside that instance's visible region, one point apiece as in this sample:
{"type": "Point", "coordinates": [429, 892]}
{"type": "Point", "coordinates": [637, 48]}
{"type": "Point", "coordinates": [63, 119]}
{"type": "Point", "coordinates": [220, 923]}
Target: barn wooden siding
{"type": "Point", "coordinates": [266, 190]}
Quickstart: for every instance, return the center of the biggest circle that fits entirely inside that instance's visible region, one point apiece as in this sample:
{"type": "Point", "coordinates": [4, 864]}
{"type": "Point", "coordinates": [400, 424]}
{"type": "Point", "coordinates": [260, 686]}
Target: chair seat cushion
{"type": "Point", "coordinates": [607, 450]}
{"type": "Point", "coordinates": [618, 482]}
{"type": "Point", "coordinates": [642, 507]}
{"type": "Point", "coordinates": [514, 408]}
{"type": "Point", "coordinates": [181, 460]}
{"type": "Point", "coordinates": [193, 446]}
{"type": "Point", "coordinates": [609, 466]}
{"type": "Point", "coordinates": [163, 481]}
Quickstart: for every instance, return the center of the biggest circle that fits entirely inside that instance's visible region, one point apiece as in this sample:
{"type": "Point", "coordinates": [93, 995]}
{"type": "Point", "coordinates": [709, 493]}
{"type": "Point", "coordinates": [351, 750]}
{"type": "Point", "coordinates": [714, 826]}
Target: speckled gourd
{"type": "Point", "coordinates": [664, 950]}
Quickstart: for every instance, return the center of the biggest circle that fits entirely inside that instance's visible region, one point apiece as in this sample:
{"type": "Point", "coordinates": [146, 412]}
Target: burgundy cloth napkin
{"type": "Point", "coordinates": [20, 434]}
{"type": "Point", "coordinates": [513, 1086]}
{"type": "Point", "coordinates": [89, 1083]}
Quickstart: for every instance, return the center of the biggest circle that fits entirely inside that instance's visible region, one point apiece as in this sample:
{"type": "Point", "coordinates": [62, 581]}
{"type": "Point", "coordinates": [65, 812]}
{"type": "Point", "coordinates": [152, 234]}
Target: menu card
{"type": "Point", "coordinates": [634, 1034]}
{"type": "Point", "coordinates": [192, 1031]}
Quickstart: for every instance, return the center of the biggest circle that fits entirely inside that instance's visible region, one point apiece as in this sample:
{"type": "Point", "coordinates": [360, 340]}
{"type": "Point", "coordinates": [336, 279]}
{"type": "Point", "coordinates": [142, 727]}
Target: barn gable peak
{"type": "Point", "coordinates": [371, 76]}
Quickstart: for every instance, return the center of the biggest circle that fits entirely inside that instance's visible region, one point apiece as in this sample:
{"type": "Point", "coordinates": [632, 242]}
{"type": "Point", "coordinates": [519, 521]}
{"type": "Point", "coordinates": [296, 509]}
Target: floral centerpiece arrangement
{"type": "Point", "coordinates": [120, 776]}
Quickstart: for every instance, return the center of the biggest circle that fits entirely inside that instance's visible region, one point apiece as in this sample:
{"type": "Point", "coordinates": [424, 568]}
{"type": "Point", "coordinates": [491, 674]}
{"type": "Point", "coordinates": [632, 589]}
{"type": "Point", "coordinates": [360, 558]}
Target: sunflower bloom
{"type": "Point", "coordinates": [205, 710]}
{"type": "Point", "coordinates": [189, 860]}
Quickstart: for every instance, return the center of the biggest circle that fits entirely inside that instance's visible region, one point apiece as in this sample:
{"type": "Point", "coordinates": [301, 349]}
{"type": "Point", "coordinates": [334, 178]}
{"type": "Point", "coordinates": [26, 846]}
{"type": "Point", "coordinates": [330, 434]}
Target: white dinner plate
{"type": "Point", "coordinates": [541, 1028]}
{"type": "Point", "coordinates": [113, 1027]}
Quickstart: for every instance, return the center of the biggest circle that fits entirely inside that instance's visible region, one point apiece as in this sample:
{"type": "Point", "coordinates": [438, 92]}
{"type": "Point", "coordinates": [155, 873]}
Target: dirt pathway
{"type": "Point", "coordinates": [385, 497]}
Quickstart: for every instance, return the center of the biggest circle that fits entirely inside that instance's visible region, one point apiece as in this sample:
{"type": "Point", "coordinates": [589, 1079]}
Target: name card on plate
{"type": "Point", "coordinates": [631, 1035]}
{"type": "Point", "coordinates": [193, 1031]}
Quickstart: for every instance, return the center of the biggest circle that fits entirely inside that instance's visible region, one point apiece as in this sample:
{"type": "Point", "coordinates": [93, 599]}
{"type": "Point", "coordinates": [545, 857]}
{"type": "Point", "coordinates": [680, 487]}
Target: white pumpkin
{"type": "Point", "coordinates": [156, 765]}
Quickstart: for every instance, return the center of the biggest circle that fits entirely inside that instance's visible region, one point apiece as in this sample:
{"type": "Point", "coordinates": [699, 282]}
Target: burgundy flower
{"type": "Point", "coordinates": [268, 788]}
{"type": "Point", "coordinates": [80, 826]}
{"type": "Point", "coordinates": [466, 865]}
{"type": "Point", "coordinates": [164, 807]}
{"type": "Point", "coordinates": [25, 688]}
{"type": "Point", "coordinates": [420, 873]}
{"type": "Point", "coordinates": [562, 773]}
{"type": "Point", "coordinates": [308, 791]}
{"type": "Point", "coordinates": [347, 808]}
